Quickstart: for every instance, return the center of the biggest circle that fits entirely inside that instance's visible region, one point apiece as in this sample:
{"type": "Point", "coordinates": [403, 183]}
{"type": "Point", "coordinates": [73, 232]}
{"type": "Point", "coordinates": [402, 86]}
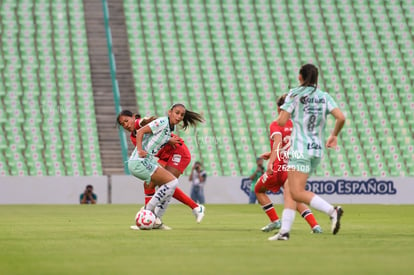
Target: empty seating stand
{"type": "Point", "coordinates": [47, 123]}
{"type": "Point", "coordinates": [230, 60]}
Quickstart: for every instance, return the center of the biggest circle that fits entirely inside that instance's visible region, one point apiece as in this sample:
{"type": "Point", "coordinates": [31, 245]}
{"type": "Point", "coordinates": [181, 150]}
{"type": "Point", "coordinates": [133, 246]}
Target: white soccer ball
{"type": "Point", "coordinates": [145, 219]}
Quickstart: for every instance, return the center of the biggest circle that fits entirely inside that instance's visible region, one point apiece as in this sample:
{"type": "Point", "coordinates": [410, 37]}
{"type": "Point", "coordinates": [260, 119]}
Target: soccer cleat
{"type": "Point", "coordinates": [159, 225]}
{"type": "Point", "coordinates": [134, 227]}
{"type": "Point", "coordinates": [336, 219]}
{"type": "Point", "coordinates": [163, 227]}
{"type": "Point", "coordinates": [272, 226]}
{"type": "Point", "coordinates": [317, 230]}
{"type": "Point", "coordinates": [279, 237]}
{"type": "Point", "coordinates": [199, 212]}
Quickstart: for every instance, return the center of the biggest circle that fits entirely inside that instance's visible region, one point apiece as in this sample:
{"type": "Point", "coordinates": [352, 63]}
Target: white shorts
{"type": "Point", "coordinates": [143, 168]}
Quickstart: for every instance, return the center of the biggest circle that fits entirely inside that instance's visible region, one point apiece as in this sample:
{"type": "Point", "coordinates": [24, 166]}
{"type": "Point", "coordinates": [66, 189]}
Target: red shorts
{"type": "Point", "coordinates": [178, 157]}
{"type": "Point", "coordinates": [271, 182]}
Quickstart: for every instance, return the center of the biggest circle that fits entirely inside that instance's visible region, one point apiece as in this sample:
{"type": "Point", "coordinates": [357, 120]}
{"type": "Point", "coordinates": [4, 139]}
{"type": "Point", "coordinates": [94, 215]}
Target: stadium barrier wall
{"type": "Point", "coordinates": [50, 190]}
{"type": "Point", "coordinates": [119, 189]}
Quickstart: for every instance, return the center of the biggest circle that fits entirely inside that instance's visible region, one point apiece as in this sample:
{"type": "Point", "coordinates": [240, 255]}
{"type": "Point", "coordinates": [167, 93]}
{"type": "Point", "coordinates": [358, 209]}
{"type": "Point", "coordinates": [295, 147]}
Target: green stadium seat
{"type": "Point", "coordinates": [42, 91]}
{"type": "Point", "coordinates": [248, 55]}
{"type": "Point", "coordinates": [324, 169]}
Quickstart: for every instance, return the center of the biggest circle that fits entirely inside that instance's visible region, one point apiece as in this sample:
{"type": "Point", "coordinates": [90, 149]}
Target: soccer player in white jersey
{"type": "Point", "coordinates": [149, 140]}
{"type": "Point", "coordinates": [307, 107]}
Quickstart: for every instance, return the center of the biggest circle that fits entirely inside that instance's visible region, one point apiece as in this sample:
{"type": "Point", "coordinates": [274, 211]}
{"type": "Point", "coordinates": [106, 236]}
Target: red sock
{"type": "Point", "coordinates": [182, 197]}
{"type": "Point", "coordinates": [309, 217]}
{"type": "Point", "coordinates": [149, 192]}
{"type": "Point", "coordinates": [270, 212]}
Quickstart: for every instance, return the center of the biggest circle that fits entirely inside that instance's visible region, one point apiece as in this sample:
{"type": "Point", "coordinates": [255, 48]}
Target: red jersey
{"type": "Point", "coordinates": [285, 132]}
{"type": "Point", "coordinates": [165, 152]}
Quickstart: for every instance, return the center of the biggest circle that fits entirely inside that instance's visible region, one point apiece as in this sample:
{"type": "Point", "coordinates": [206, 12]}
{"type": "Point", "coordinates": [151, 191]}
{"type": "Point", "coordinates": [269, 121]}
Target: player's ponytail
{"type": "Point", "coordinates": [145, 120]}
{"type": "Point", "coordinates": [190, 117]}
{"type": "Point", "coordinates": [309, 73]}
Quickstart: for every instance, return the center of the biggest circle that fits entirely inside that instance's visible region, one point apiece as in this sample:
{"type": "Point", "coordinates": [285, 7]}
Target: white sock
{"type": "Point", "coordinates": [162, 197]}
{"type": "Point", "coordinates": [288, 217]}
{"type": "Point", "coordinates": [322, 205]}
{"type": "Point", "coordinates": [161, 208]}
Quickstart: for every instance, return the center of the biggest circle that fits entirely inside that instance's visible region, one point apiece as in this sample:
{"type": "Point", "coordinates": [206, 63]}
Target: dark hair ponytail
{"type": "Point", "coordinates": [190, 117]}
{"type": "Point", "coordinates": [309, 73]}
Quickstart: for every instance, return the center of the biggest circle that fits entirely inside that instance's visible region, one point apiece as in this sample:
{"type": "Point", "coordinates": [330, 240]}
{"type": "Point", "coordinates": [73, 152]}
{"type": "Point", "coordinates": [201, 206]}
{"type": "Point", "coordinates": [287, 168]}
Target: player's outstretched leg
{"type": "Point", "coordinates": [336, 219]}
{"type": "Point", "coordinates": [199, 212]}
{"type": "Point", "coordinates": [197, 209]}
{"type": "Point", "coordinates": [307, 214]}
{"type": "Point", "coordinates": [266, 204]}
{"type": "Point", "coordinates": [274, 219]}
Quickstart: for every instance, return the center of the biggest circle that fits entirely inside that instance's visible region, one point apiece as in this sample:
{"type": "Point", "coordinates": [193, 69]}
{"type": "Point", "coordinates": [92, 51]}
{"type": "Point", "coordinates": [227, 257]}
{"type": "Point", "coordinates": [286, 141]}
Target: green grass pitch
{"type": "Point", "coordinates": [96, 239]}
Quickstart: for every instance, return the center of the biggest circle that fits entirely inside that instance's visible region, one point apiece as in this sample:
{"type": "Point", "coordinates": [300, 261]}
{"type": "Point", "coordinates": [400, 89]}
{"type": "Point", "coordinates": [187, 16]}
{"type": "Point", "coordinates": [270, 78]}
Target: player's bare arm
{"type": "Point", "coordinates": [265, 156]}
{"type": "Point", "coordinates": [174, 140]}
{"type": "Point", "coordinates": [283, 118]}
{"type": "Point", "coordinates": [277, 145]}
{"type": "Point", "coordinates": [140, 134]}
{"type": "Point", "coordinates": [332, 140]}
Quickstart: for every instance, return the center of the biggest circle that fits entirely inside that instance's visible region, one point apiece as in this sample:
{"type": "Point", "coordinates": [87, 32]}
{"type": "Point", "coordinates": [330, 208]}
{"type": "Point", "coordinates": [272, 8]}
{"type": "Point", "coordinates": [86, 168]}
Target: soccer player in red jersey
{"type": "Point", "coordinates": [174, 157]}
{"type": "Point", "coordinates": [276, 175]}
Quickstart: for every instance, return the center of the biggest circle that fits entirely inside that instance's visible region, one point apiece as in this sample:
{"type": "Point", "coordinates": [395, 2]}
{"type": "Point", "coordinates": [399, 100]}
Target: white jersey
{"type": "Point", "coordinates": [308, 108]}
{"type": "Point", "coordinates": [153, 142]}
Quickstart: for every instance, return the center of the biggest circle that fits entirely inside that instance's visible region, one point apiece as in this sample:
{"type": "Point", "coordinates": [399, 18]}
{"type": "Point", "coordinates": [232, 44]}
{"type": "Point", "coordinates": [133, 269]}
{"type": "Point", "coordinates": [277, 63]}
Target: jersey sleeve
{"type": "Point", "coordinates": [137, 125]}
{"type": "Point", "coordinates": [330, 102]}
{"type": "Point", "coordinates": [158, 124]}
{"type": "Point", "coordinates": [290, 103]}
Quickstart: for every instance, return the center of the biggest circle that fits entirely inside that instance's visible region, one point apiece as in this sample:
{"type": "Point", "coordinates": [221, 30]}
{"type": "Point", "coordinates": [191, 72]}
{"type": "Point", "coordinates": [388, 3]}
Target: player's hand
{"type": "Point", "coordinates": [332, 142]}
{"type": "Point", "coordinates": [142, 153]}
{"type": "Point", "coordinates": [174, 140]}
{"type": "Point", "coordinates": [265, 156]}
{"type": "Point", "coordinates": [269, 170]}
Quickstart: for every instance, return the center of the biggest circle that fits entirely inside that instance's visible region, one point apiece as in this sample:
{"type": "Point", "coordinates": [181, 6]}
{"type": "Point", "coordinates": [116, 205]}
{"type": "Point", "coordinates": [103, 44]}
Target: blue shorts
{"type": "Point", "coordinates": [305, 164]}
{"type": "Point", "coordinates": [143, 168]}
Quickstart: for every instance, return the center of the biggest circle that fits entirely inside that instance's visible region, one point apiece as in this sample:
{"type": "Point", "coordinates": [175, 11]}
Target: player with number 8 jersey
{"type": "Point", "coordinates": [276, 174]}
{"type": "Point", "coordinates": [314, 106]}
{"type": "Point", "coordinates": [308, 107]}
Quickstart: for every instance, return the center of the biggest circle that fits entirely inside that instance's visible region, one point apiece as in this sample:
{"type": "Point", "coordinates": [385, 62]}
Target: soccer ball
{"type": "Point", "coordinates": [145, 219]}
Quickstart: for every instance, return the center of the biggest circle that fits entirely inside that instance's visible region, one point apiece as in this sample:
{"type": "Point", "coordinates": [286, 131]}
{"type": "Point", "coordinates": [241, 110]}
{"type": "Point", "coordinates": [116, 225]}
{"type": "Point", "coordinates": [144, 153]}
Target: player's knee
{"type": "Point", "coordinates": [172, 184]}
{"type": "Point", "coordinates": [296, 194]}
